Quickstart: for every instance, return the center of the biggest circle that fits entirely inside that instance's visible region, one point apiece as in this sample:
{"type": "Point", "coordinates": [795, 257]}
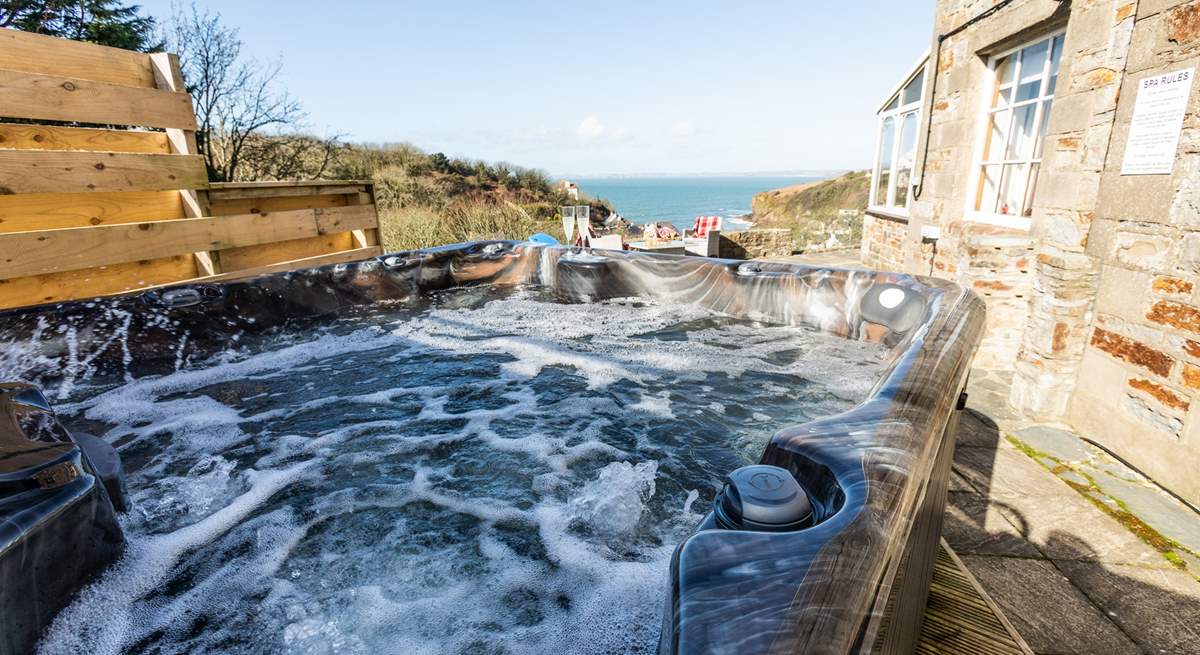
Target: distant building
{"type": "Point", "coordinates": [570, 189]}
{"type": "Point", "coordinates": [1047, 155]}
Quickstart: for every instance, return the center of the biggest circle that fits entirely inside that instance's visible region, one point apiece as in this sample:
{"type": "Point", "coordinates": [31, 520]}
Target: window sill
{"type": "Point", "coordinates": [1001, 220]}
{"type": "Point", "coordinates": [888, 213]}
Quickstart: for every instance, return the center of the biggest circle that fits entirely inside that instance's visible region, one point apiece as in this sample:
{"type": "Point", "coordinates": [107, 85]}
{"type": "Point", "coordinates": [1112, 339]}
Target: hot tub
{"type": "Point", "coordinates": [488, 447]}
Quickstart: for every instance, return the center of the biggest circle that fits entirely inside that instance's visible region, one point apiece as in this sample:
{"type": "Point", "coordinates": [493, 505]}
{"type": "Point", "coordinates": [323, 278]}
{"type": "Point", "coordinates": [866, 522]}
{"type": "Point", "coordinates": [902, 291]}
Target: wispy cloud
{"type": "Point", "coordinates": [592, 129]}
{"type": "Point", "coordinates": [683, 129]}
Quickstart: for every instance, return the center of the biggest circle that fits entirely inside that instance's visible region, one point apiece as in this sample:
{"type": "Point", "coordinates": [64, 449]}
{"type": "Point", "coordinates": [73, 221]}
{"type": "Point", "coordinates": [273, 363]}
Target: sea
{"type": "Point", "coordinates": [679, 200]}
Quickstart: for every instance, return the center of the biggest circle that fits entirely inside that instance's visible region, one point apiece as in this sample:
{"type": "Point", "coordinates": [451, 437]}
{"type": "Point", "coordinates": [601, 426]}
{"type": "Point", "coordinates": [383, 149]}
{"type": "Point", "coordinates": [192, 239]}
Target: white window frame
{"type": "Point", "coordinates": [888, 206]}
{"type": "Point", "coordinates": [987, 108]}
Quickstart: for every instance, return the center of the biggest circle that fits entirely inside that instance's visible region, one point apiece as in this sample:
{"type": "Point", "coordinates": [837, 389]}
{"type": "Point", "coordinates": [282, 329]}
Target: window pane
{"type": "Point", "coordinates": [893, 104]}
{"type": "Point", "coordinates": [1033, 66]}
{"type": "Point", "coordinates": [1054, 60]}
{"type": "Point", "coordinates": [1005, 69]}
{"type": "Point", "coordinates": [1020, 145]}
{"type": "Point", "coordinates": [988, 182]}
{"type": "Point", "coordinates": [1012, 189]}
{"type": "Point", "coordinates": [887, 142]}
{"type": "Point", "coordinates": [1029, 90]}
{"type": "Point", "coordinates": [908, 152]}
{"type": "Point", "coordinates": [1027, 210]}
{"type": "Point", "coordinates": [997, 136]}
{"type": "Point", "coordinates": [912, 92]}
{"type": "Point", "coordinates": [1016, 128]}
{"type": "Point", "coordinates": [1042, 130]}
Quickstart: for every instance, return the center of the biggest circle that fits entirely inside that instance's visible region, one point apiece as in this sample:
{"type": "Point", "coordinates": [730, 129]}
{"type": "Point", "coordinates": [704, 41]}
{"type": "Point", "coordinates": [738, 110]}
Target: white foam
{"type": "Point", "coordinates": [657, 404]}
{"type": "Point", "coordinates": [102, 619]}
{"type": "Point", "coordinates": [613, 503]}
{"type": "Point", "coordinates": [386, 514]}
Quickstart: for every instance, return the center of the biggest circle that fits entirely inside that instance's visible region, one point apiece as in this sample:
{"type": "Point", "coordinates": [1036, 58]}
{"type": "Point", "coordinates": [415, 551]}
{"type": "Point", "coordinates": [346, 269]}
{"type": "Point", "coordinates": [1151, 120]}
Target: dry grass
{"type": "Point", "coordinates": [420, 227]}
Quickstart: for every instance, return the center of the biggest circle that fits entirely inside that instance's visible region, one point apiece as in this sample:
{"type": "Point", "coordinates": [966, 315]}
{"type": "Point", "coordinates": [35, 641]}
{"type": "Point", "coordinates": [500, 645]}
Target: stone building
{"type": "Point", "coordinates": [1047, 154]}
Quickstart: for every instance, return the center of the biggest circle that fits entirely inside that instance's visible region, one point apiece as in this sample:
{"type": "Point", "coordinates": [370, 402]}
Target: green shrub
{"type": "Point", "coordinates": [429, 200]}
{"type": "Point", "coordinates": [421, 227]}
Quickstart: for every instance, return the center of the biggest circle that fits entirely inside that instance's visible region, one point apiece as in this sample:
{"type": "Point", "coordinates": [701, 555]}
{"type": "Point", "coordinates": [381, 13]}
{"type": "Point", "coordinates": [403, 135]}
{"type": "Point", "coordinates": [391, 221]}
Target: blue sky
{"type": "Point", "coordinates": [597, 87]}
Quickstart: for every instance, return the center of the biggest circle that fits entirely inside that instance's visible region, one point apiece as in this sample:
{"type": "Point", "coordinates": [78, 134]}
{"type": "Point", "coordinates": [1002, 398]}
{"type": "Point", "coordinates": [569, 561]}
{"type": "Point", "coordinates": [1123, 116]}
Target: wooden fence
{"type": "Point", "coordinates": [102, 192]}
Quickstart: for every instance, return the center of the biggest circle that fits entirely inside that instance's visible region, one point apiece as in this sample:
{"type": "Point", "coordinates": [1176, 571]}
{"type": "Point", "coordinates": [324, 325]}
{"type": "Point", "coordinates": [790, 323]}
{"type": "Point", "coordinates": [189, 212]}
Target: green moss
{"type": "Point", "coordinates": [1029, 450]}
{"type": "Point", "coordinates": [1121, 513]}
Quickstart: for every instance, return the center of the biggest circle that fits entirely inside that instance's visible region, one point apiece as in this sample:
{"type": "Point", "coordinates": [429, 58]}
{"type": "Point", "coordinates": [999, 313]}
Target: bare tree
{"type": "Point", "coordinates": [288, 156]}
{"type": "Point", "coordinates": [236, 98]}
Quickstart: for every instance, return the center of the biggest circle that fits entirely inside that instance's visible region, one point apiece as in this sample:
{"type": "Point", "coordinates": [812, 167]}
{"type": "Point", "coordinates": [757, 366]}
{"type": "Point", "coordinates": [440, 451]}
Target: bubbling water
{"type": "Point", "coordinates": [491, 472]}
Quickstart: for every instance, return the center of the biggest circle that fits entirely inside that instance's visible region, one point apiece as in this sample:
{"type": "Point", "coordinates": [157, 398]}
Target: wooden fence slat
{"type": "Point", "coordinates": [237, 259]}
{"type": "Point", "coordinates": [273, 204]}
{"type": "Point", "coordinates": [36, 253]}
{"type": "Point", "coordinates": [169, 77]}
{"type": "Point", "coordinates": [46, 137]}
{"type": "Point", "coordinates": [51, 211]}
{"type": "Point", "coordinates": [92, 282]}
{"type": "Point", "coordinates": [47, 97]}
{"type": "Point", "coordinates": [345, 219]}
{"type": "Point", "coordinates": [38, 53]}
{"type": "Point", "coordinates": [267, 187]}
{"type": "Point", "coordinates": [342, 257]}
{"type": "Point", "coordinates": [282, 192]}
{"type": "Point", "coordinates": [47, 171]}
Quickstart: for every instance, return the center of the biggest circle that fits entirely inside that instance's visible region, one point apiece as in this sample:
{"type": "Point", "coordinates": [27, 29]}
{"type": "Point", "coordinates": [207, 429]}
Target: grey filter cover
{"type": "Point", "coordinates": [763, 497]}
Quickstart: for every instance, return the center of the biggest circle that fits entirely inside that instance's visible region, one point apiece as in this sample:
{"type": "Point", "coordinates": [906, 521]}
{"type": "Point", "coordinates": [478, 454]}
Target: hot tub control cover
{"type": "Point", "coordinates": [765, 498]}
{"type": "Point", "coordinates": [58, 528]}
{"type": "Point", "coordinates": [894, 306]}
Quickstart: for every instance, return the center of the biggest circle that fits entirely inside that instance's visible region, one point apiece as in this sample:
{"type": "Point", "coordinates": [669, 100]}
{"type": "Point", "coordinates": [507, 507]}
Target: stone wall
{"type": "Point", "coordinates": [1138, 383]}
{"type": "Point", "coordinates": [1097, 306]}
{"type": "Point", "coordinates": [996, 262]}
{"type": "Point", "coordinates": [752, 244]}
{"type": "Point", "coordinates": [1077, 146]}
{"type": "Point", "coordinates": [883, 242]}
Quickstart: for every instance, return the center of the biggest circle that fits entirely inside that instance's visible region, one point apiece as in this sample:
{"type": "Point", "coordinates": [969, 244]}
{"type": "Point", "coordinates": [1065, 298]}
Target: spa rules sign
{"type": "Point", "coordinates": [1157, 120]}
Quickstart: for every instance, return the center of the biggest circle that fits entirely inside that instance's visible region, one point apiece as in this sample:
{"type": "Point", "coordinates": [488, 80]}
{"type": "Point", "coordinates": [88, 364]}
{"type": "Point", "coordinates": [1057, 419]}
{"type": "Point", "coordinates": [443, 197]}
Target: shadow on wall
{"type": "Point", "coordinates": [1068, 577]}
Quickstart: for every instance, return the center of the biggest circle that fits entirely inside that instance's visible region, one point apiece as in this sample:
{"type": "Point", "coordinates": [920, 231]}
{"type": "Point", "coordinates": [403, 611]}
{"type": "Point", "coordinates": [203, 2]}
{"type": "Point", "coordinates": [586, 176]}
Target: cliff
{"type": "Point", "coordinates": [823, 215]}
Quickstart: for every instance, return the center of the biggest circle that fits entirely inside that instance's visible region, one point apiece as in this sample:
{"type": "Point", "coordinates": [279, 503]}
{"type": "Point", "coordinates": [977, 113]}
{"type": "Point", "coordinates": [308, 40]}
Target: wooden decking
{"type": "Point", "coordinates": [960, 618]}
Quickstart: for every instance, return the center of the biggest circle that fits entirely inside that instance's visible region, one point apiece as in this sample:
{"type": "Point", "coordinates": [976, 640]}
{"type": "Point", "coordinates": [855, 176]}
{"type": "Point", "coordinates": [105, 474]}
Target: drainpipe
{"type": "Point", "coordinates": [937, 58]}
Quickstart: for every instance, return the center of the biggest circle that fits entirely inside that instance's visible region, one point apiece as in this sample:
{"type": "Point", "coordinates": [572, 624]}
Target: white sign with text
{"type": "Point", "coordinates": [1157, 120]}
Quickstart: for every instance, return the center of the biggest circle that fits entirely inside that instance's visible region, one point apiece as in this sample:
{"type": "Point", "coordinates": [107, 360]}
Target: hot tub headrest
{"type": "Point", "coordinates": [898, 308]}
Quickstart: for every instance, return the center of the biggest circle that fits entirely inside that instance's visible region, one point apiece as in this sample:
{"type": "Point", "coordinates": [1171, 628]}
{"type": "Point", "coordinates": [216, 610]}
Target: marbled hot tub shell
{"type": "Point", "coordinates": [876, 475]}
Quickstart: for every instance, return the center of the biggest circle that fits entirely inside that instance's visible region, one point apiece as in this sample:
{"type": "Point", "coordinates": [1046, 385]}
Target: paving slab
{"type": "Point", "coordinates": [976, 430]}
{"type": "Point", "coordinates": [1056, 442]}
{"type": "Point", "coordinates": [958, 483]}
{"type": "Point", "coordinates": [1072, 476]}
{"type": "Point", "coordinates": [843, 258]}
{"type": "Point", "coordinates": [987, 398]}
{"type": "Point", "coordinates": [1158, 608]}
{"type": "Point", "coordinates": [1068, 526]}
{"type": "Point", "coordinates": [1006, 472]}
{"type": "Point", "coordinates": [1048, 611]}
{"type": "Point", "coordinates": [974, 526]}
{"type": "Point", "coordinates": [1118, 589]}
{"type": "Point", "coordinates": [1156, 508]}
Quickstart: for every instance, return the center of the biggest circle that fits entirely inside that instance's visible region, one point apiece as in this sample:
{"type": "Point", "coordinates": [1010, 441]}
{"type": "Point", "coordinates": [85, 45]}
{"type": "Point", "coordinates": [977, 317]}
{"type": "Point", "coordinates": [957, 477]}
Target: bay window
{"type": "Point", "coordinates": [896, 149]}
{"type": "Point", "coordinates": [1017, 111]}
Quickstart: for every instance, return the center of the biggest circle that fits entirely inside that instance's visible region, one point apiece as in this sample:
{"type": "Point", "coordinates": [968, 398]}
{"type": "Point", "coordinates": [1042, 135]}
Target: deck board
{"type": "Point", "coordinates": [960, 618]}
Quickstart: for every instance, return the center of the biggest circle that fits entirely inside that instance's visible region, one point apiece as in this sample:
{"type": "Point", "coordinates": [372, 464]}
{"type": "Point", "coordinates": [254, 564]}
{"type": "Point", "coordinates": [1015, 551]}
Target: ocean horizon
{"type": "Point", "coordinates": [680, 199]}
